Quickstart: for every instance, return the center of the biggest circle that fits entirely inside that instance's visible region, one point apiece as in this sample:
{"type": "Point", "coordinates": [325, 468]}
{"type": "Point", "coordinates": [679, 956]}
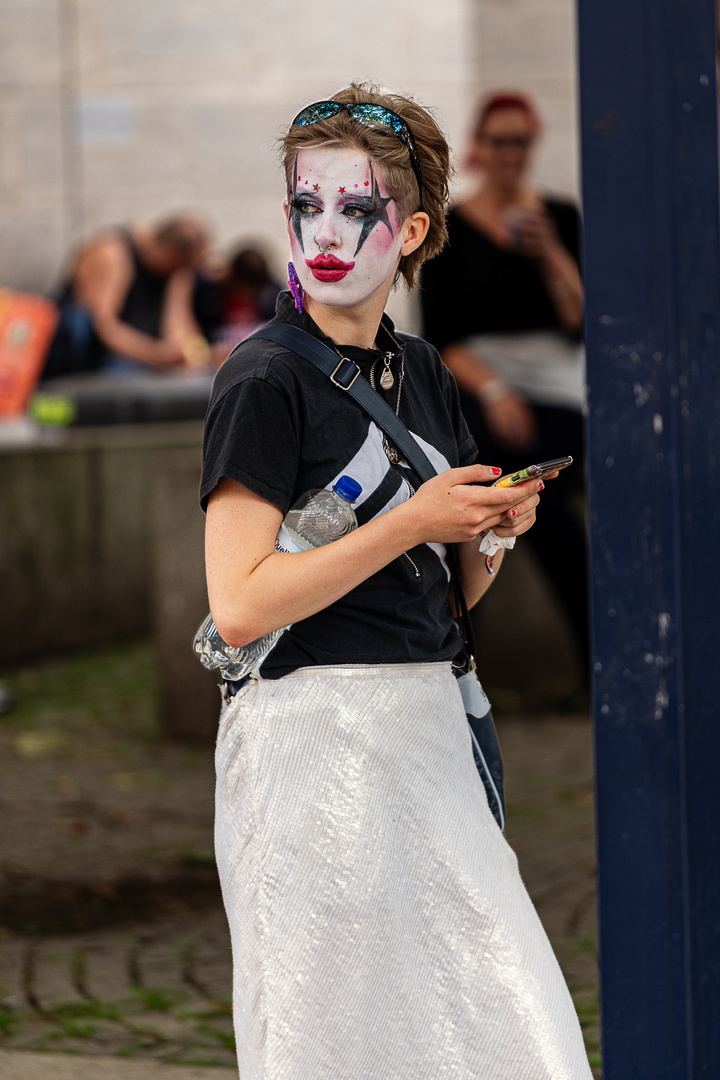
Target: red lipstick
{"type": "Point", "coordinates": [328, 268]}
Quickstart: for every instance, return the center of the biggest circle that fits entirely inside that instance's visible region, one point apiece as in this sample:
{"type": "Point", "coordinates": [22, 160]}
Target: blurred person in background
{"type": "Point", "coordinates": [247, 294]}
{"type": "Point", "coordinates": [128, 307]}
{"type": "Point", "coordinates": [503, 303]}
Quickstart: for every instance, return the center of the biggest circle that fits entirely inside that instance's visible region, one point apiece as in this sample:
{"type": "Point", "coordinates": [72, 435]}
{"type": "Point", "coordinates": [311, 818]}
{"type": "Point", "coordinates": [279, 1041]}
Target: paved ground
{"type": "Point", "coordinates": [113, 942]}
{"type": "Point", "coordinates": [158, 991]}
{"type": "Point", "coordinates": [20, 1065]}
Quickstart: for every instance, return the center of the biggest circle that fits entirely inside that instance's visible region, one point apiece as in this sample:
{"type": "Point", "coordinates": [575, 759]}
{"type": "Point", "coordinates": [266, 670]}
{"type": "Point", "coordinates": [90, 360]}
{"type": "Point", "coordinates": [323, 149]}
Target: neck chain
{"type": "Point", "coordinates": [386, 376]}
{"type": "Point", "coordinates": [393, 454]}
{"type": "Point", "coordinates": [387, 381]}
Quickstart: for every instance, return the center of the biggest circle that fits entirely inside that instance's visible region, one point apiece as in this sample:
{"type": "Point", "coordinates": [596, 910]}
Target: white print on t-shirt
{"type": "Point", "coordinates": [370, 465]}
{"type": "Point", "coordinates": [438, 461]}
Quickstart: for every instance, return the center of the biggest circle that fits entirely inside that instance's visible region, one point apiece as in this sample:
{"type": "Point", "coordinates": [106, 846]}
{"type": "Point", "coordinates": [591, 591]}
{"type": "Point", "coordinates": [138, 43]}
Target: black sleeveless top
{"type": "Point", "coordinates": [145, 298]}
{"type": "Point", "coordinates": [76, 347]}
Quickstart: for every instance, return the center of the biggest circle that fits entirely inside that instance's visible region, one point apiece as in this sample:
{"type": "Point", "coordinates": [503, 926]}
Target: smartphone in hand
{"type": "Point", "coordinates": [533, 472]}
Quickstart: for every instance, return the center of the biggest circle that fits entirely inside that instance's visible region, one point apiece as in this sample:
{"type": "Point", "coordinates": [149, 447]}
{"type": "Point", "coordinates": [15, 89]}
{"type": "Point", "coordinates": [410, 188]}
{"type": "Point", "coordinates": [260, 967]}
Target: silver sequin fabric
{"type": "Point", "coordinates": [380, 929]}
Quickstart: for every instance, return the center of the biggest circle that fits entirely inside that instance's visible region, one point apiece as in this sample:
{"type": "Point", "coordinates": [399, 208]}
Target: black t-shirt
{"type": "Point", "coordinates": [476, 287]}
{"type": "Point", "coordinates": [277, 424]}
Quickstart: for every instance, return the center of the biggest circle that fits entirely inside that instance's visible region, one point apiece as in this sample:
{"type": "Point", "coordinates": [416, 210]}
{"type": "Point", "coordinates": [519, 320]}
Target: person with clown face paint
{"type": "Point", "coordinates": [379, 925]}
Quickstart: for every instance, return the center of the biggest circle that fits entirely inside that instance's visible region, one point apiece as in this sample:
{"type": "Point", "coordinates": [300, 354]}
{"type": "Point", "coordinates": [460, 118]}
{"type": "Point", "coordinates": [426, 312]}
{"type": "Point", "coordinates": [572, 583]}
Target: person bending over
{"type": "Point", "coordinates": [128, 306]}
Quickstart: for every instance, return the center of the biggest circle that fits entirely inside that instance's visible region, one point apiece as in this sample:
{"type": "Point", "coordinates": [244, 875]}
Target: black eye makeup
{"type": "Point", "coordinates": [366, 205]}
{"type": "Point", "coordinates": [304, 204]}
{"type": "Point", "coordinates": [359, 208]}
{"type": "Point", "coordinates": [376, 214]}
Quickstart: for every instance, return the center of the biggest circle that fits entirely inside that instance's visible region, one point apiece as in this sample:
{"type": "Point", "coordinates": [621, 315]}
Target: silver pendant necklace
{"type": "Point", "coordinates": [387, 381]}
{"type": "Point", "coordinates": [386, 376]}
{"type": "Point", "coordinates": [391, 452]}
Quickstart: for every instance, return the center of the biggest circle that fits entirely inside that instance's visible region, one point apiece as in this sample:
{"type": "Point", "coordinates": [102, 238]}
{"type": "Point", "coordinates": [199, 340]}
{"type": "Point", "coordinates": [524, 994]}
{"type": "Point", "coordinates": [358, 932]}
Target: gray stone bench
{"type": "Point", "coordinates": [101, 540]}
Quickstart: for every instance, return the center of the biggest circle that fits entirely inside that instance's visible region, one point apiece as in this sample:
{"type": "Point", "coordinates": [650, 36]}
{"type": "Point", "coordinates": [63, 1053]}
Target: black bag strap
{"type": "Point", "coordinates": [345, 374]}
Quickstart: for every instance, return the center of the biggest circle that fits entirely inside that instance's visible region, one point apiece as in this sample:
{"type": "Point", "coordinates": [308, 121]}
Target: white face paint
{"type": "Point", "coordinates": [339, 205]}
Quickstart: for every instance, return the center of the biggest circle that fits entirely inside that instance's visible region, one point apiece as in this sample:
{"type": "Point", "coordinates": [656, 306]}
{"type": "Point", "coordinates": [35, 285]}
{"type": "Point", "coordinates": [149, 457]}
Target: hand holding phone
{"type": "Point", "coordinates": [533, 472]}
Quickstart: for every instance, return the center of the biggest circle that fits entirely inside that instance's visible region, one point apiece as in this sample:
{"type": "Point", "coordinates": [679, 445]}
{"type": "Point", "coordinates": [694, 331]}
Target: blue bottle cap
{"type": "Point", "coordinates": [348, 488]}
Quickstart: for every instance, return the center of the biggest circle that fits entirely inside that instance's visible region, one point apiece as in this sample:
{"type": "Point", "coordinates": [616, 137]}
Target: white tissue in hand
{"type": "Point", "coordinates": [491, 542]}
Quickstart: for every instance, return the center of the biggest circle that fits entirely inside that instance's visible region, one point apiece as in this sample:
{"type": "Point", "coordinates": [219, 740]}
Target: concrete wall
{"type": "Point", "coordinates": [101, 540]}
{"type": "Point", "coordinates": [121, 111]}
{"type": "Point", "coordinates": [76, 534]}
{"type": "Point", "coordinates": [189, 695]}
{"type": "Point", "coordinates": [530, 45]}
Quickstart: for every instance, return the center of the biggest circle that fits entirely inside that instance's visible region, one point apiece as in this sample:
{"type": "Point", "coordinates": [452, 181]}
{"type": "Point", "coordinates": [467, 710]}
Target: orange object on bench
{"type": "Point", "coordinates": [27, 324]}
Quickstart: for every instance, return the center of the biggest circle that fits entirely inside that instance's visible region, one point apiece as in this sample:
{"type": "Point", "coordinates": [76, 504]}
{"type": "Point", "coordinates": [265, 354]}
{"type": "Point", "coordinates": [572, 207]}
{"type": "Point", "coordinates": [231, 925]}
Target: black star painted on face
{"type": "Point", "coordinates": [293, 211]}
{"type": "Point", "coordinates": [378, 214]}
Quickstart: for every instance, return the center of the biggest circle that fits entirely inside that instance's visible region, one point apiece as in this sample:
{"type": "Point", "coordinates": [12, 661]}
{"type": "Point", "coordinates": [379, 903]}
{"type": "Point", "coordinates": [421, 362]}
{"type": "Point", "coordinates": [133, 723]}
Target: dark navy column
{"type": "Point", "coordinates": [652, 266]}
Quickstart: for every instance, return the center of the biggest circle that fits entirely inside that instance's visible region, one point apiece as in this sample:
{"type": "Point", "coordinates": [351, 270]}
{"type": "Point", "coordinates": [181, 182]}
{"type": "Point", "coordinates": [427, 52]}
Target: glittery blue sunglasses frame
{"type": "Point", "coordinates": [369, 114]}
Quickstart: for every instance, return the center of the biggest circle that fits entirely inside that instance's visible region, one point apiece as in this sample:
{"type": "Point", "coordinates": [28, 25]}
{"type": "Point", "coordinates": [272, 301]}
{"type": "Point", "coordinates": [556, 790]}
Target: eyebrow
{"type": "Point", "coordinates": [359, 200]}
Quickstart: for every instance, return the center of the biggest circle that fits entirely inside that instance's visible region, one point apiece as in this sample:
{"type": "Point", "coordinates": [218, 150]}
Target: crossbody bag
{"type": "Point", "coordinates": [345, 375]}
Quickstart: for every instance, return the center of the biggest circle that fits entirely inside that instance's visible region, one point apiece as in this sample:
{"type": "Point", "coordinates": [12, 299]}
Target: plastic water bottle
{"type": "Point", "coordinates": [318, 517]}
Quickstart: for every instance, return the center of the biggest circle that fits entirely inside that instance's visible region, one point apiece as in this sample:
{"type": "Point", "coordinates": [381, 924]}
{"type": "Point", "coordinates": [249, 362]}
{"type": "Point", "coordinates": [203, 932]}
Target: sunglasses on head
{"type": "Point", "coordinates": [372, 116]}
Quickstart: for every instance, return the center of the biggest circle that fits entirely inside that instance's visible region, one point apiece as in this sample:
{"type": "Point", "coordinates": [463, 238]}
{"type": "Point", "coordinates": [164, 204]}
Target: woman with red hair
{"type": "Point", "coordinates": [503, 303]}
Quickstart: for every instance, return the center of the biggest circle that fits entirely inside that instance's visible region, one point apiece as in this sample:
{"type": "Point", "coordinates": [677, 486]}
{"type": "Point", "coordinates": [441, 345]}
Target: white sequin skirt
{"type": "Point", "coordinates": [380, 929]}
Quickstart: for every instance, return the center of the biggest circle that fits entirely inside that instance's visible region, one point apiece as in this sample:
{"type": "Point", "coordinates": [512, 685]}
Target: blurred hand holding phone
{"type": "Point", "coordinates": [534, 472]}
{"type": "Point", "coordinates": [515, 219]}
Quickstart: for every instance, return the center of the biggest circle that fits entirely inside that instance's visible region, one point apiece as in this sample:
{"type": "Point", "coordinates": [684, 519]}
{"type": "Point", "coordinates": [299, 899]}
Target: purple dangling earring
{"type": "Point", "coordinates": [295, 287]}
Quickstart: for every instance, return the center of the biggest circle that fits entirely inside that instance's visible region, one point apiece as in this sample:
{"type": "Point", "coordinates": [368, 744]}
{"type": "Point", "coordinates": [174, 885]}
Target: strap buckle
{"type": "Point", "coordinates": [342, 382]}
{"type": "Point", "coordinates": [463, 664]}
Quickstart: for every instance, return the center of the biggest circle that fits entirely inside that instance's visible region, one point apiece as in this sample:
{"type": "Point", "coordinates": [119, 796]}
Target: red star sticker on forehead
{"type": "Point", "coordinates": [341, 190]}
{"type": "Point", "coordinates": [316, 187]}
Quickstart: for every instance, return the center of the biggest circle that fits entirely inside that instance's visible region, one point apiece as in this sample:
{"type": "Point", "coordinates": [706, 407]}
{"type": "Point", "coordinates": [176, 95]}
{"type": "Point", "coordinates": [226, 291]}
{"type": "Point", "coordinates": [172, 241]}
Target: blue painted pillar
{"type": "Point", "coordinates": [650, 183]}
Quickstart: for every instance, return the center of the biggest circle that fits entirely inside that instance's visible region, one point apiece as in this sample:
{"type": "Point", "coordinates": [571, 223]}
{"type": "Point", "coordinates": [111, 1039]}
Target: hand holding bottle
{"type": "Point", "coordinates": [317, 518]}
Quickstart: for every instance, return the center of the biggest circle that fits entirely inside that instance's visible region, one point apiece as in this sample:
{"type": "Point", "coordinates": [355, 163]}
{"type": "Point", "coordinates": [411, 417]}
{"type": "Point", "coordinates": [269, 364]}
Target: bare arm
{"type": "Point", "coordinates": [565, 287]}
{"type": "Point", "coordinates": [508, 416]}
{"type": "Point", "coordinates": [178, 319]}
{"type": "Point", "coordinates": [539, 240]}
{"type": "Point", "coordinates": [102, 280]}
{"type": "Point", "coordinates": [469, 372]}
{"type": "Point", "coordinates": [254, 589]}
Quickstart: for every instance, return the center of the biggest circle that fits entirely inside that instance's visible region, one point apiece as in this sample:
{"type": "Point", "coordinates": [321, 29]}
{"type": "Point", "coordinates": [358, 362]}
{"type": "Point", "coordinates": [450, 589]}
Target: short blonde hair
{"type": "Point", "coordinates": [385, 149]}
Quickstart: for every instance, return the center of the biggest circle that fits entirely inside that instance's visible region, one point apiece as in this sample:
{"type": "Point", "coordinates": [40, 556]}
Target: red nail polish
{"type": "Point", "coordinates": [513, 513]}
{"type": "Point", "coordinates": [541, 486]}
{"type": "Point", "coordinates": [496, 472]}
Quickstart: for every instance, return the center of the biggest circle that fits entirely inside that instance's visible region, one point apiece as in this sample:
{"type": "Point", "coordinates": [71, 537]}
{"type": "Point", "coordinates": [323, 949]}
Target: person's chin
{"type": "Point", "coordinates": [333, 294]}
